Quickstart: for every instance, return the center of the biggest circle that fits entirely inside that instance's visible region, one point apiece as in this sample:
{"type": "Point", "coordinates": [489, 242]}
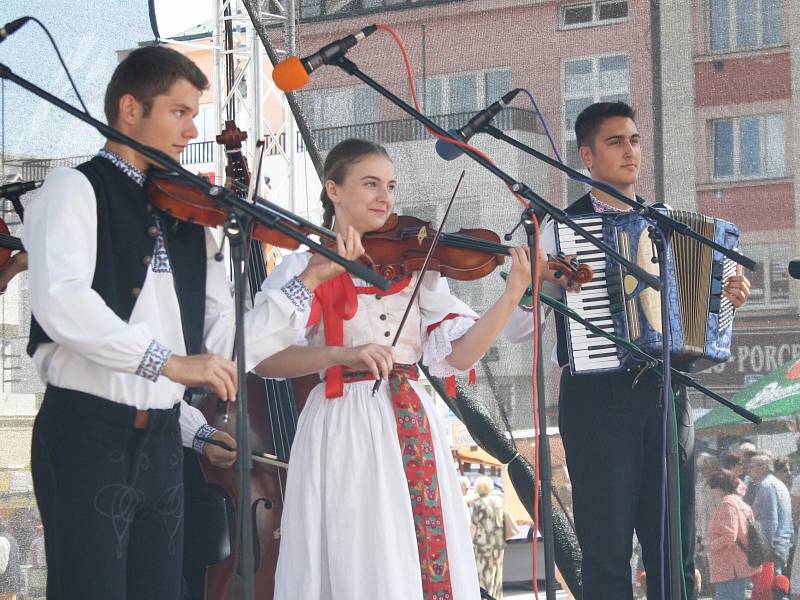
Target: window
{"type": "Point", "coordinates": [586, 81]}
{"type": "Point", "coordinates": [769, 283]}
{"type": "Point", "coordinates": [749, 147]}
{"type": "Point", "coordinates": [593, 13]}
{"type": "Point", "coordinates": [744, 24]}
{"type": "Point", "coordinates": [339, 107]}
{"type": "Point", "coordinates": [207, 128]}
{"type": "Point", "coordinates": [464, 92]}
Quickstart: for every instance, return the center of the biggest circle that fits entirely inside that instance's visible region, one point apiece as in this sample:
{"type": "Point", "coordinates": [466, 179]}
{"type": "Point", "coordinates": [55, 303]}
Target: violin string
{"type": "Point", "coordinates": [457, 239]}
{"type": "Point", "coordinates": [422, 272]}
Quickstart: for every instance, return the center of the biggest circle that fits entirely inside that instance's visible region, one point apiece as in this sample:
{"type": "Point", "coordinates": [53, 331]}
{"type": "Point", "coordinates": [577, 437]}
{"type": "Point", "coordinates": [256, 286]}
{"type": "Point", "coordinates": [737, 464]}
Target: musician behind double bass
{"type": "Point", "coordinates": [130, 307]}
{"type": "Point", "coordinates": [611, 423]}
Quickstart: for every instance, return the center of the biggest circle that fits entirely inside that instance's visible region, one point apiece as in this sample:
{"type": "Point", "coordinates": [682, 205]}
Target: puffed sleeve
{"type": "Point", "coordinates": [276, 321]}
{"type": "Point", "coordinates": [444, 318]}
{"type": "Point", "coordinates": [291, 266]}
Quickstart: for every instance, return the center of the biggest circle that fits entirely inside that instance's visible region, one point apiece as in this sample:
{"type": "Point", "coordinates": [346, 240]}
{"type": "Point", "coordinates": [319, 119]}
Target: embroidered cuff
{"type": "Point", "coordinates": [297, 293]}
{"type": "Point", "coordinates": [199, 441]}
{"type": "Point", "coordinates": [153, 361]}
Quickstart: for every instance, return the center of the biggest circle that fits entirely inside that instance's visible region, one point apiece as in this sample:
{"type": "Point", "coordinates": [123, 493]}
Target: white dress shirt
{"type": "Point", "coordinates": [95, 351]}
{"type": "Point", "coordinates": [520, 326]}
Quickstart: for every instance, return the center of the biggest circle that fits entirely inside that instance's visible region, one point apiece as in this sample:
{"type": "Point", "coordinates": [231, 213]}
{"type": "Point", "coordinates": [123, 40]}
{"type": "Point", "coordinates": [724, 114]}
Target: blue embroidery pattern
{"type": "Point", "coordinates": [160, 262]}
{"type": "Point", "coordinates": [153, 361]}
{"type": "Point", "coordinates": [123, 165]}
{"type": "Point", "coordinates": [297, 293]}
{"type": "Point", "coordinates": [199, 441]}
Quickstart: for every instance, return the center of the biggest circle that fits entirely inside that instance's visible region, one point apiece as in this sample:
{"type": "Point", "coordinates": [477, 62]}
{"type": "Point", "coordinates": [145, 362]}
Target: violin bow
{"type": "Point", "coordinates": [422, 271]}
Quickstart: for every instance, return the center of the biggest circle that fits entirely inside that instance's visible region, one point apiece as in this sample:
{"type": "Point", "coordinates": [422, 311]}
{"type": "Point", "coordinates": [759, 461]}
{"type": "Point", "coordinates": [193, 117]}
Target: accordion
{"type": "Point", "coordinates": [701, 319]}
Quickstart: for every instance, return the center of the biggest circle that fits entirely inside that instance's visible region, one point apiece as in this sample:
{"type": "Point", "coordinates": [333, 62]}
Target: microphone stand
{"type": "Point", "coordinates": [534, 200]}
{"type": "Point", "coordinates": [663, 220]}
{"type": "Point", "coordinates": [517, 187]}
{"type": "Point", "coordinates": [662, 237]}
{"type": "Point", "coordinates": [241, 214]}
{"type": "Point", "coordinates": [544, 467]}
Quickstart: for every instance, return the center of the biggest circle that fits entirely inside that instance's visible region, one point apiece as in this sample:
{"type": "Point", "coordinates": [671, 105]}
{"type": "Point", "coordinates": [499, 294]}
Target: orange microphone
{"type": "Point", "coordinates": [293, 73]}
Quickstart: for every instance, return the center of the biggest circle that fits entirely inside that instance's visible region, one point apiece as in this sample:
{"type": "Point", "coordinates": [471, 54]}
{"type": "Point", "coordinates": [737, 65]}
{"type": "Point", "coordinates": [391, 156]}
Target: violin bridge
{"type": "Point", "coordinates": [421, 235]}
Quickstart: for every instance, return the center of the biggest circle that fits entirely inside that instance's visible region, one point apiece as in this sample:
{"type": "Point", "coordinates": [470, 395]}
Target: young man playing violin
{"type": "Point", "coordinates": [129, 308]}
{"type": "Point", "coordinates": [611, 423]}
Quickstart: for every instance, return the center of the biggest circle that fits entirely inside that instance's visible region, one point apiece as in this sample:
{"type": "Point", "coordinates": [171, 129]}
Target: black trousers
{"type": "Point", "coordinates": [612, 434]}
{"type": "Point", "coordinates": [111, 499]}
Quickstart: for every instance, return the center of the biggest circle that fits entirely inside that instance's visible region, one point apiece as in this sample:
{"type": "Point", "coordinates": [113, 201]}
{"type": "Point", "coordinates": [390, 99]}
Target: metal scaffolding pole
{"type": "Point", "coordinates": [260, 107]}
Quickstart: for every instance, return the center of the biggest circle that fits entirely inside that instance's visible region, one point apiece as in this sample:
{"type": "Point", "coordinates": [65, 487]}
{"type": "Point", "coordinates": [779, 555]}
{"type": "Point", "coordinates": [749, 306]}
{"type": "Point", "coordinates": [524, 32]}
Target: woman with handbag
{"type": "Point", "coordinates": [727, 537]}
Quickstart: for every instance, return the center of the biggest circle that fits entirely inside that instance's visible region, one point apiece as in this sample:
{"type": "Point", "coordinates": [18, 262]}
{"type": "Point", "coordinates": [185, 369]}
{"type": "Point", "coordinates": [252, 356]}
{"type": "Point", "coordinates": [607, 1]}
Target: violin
{"type": "Point", "coordinates": [170, 193]}
{"type": "Point", "coordinates": [395, 250]}
{"type": "Point", "coordinates": [401, 245]}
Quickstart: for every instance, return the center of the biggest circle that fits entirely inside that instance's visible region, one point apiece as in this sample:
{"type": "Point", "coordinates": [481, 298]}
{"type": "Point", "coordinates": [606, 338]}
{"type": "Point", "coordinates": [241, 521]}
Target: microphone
{"type": "Point", "coordinates": [794, 268]}
{"type": "Point", "coordinates": [19, 188]}
{"type": "Point", "coordinates": [293, 73]}
{"type": "Point", "coordinates": [449, 151]}
{"type": "Point", "coordinates": [9, 28]}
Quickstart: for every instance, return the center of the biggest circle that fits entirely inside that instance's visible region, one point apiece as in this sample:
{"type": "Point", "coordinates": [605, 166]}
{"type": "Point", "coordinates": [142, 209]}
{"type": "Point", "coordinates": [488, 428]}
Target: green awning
{"type": "Point", "coordinates": [773, 397]}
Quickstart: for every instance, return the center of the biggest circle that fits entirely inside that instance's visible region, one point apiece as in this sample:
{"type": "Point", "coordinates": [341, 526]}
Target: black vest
{"type": "Point", "coordinates": [11, 579]}
{"type": "Point", "coordinates": [126, 235]}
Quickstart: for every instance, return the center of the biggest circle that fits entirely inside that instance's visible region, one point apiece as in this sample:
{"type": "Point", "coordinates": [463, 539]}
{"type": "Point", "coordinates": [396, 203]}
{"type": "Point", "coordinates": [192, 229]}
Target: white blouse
{"type": "Point", "coordinates": [96, 352]}
{"type": "Point", "coordinates": [379, 316]}
{"type": "Point", "coordinates": [520, 326]}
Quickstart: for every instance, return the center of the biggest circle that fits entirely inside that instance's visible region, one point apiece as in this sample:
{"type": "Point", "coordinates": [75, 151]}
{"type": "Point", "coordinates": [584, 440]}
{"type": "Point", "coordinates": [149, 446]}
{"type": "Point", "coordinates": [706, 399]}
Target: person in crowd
{"type": "Point", "coordinates": [727, 532]}
{"type": "Point", "coordinates": [733, 463]}
{"type": "Point", "coordinates": [746, 451]}
{"type": "Point", "coordinates": [772, 509]}
{"type": "Point", "coordinates": [795, 566]}
{"type": "Point", "coordinates": [794, 458]}
{"type": "Point", "coordinates": [10, 574]}
{"type": "Point", "coordinates": [36, 556]}
{"type": "Point", "coordinates": [489, 537]}
{"type": "Point", "coordinates": [794, 492]}
{"type": "Point", "coordinates": [783, 471]}
{"type": "Point", "coordinates": [705, 503]}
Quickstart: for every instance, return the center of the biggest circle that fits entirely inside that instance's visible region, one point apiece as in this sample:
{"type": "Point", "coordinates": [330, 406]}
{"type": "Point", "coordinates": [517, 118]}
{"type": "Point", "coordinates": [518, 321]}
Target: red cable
{"type": "Point", "coordinates": [535, 395]}
{"type": "Point", "coordinates": [534, 287]}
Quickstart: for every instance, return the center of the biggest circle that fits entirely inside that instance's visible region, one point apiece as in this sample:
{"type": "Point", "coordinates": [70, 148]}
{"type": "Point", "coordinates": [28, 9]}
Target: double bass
{"type": "Point", "coordinates": [212, 493]}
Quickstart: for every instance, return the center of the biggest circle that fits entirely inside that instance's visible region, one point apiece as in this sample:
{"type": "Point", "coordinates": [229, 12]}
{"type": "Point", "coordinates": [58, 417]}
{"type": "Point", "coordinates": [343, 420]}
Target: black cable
{"type": "Point", "coordinates": [63, 64]}
{"type": "Point", "coordinates": [151, 9]}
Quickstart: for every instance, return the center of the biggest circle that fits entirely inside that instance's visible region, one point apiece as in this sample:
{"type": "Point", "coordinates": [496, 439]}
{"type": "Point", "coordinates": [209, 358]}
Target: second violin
{"type": "Point", "coordinates": [400, 247]}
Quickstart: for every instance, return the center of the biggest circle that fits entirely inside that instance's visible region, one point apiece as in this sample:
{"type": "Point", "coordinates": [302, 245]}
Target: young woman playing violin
{"type": "Point", "coordinates": [373, 505]}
